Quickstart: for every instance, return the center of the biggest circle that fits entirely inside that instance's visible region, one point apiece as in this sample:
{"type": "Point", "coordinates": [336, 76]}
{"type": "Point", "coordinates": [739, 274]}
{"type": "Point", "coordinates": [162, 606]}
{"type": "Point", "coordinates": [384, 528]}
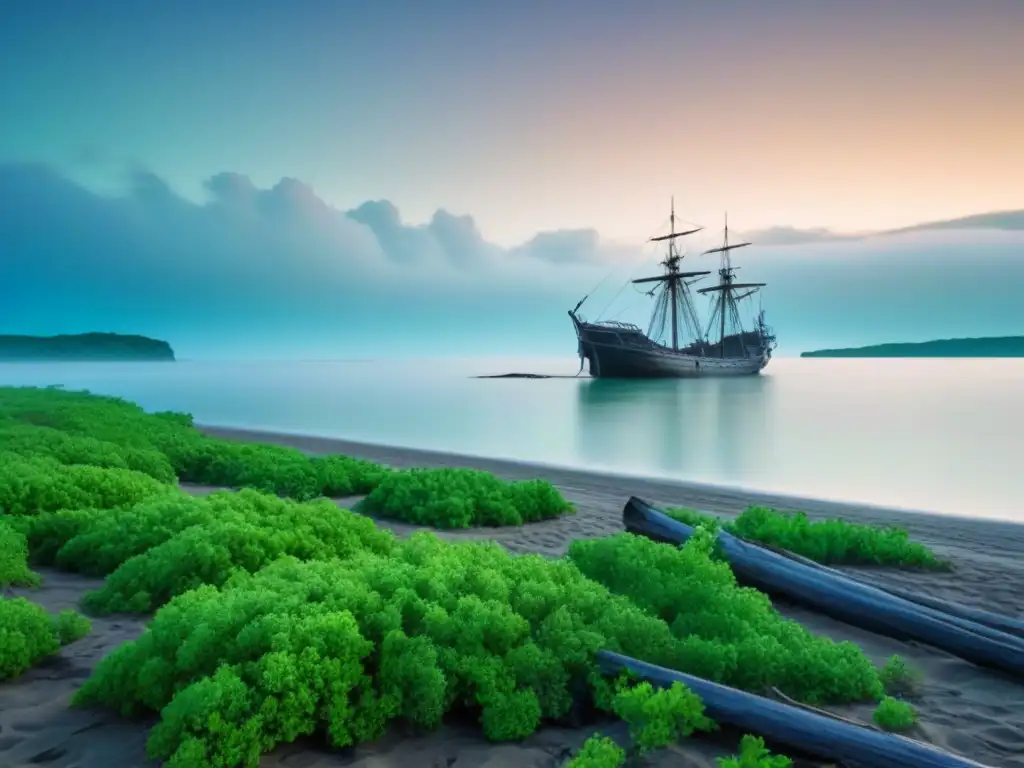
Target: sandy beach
{"type": "Point", "coordinates": [962, 708]}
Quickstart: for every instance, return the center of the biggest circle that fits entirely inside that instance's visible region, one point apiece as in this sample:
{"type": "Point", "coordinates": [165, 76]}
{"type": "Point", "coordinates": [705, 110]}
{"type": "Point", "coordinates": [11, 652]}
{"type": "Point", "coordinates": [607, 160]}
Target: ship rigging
{"type": "Point", "coordinates": [685, 347]}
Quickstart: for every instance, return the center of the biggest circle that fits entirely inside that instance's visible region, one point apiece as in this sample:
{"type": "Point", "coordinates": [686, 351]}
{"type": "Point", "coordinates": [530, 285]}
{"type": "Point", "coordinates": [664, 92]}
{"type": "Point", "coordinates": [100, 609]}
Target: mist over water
{"type": "Point", "coordinates": [936, 435]}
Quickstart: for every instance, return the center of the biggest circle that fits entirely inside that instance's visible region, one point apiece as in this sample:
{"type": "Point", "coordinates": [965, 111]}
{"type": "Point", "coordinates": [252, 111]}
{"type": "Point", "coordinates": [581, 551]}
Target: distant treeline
{"type": "Point", "coordinates": [83, 346]}
{"type": "Point", "coordinates": [996, 346]}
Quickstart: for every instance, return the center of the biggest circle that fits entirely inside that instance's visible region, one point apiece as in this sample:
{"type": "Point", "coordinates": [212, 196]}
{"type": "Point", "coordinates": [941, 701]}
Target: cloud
{"type": "Point", "coordinates": [561, 246]}
{"type": "Point", "coordinates": [1008, 220]}
{"type": "Point", "coordinates": [446, 237]}
{"type": "Point", "coordinates": [279, 271]}
{"type": "Point", "coordinates": [248, 259]}
{"type": "Point", "coordinates": [792, 236]}
{"type": "Point", "coordinates": [782, 235]}
{"type": "Point", "coordinates": [284, 225]}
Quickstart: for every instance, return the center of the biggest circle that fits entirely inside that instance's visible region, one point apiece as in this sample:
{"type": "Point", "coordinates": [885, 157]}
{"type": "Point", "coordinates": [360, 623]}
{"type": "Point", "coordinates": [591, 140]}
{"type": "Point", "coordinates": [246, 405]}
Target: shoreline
{"type": "Point", "coordinates": [705, 497]}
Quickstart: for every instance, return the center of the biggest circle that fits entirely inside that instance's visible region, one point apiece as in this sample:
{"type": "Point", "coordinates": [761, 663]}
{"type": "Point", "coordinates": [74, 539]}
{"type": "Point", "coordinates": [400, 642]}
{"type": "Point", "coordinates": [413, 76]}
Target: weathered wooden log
{"type": "Point", "coordinates": [834, 594]}
{"type": "Point", "coordinates": [796, 728]}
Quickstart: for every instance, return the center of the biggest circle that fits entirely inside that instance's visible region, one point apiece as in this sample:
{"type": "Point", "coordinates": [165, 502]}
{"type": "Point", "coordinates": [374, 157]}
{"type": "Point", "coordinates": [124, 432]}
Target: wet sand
{"type": "Point", "coordinates": [962, 708]}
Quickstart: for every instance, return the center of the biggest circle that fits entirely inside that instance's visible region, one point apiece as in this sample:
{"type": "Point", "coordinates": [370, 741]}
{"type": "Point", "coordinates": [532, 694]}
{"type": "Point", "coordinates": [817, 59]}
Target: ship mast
{"type": "Point", "coordinates": [672, 283]}
{"type": "Point", "coordinates": [673, 279]}
{"type": "Point", "coordinates": [727, 299]}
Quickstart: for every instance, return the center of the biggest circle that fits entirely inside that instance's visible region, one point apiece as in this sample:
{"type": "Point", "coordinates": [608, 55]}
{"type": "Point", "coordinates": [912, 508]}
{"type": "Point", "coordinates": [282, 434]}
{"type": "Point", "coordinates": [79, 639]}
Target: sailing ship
{"type": "Point", "coordinates": [677, 344]}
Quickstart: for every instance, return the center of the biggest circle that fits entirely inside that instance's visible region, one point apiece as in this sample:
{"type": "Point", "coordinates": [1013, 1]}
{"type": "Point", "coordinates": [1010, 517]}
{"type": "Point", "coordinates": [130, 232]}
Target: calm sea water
{"type": "Point", "coordinates": [938, 435]}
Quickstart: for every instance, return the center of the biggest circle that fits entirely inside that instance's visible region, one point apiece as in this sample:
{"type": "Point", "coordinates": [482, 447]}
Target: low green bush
{"type": "Point", "coordinates": [96, 543]}
{"type": "Point", "coordinates": [31, 440]}
{"type": "Point", "coordinates": [33, 484]}
{"type": "Point", "coordinates": [47, 532]}
{"type": "Point", "coordinates": [345, 646]}
{"type": "Point", "coordinates": [727, 633]}
{"type": "Point", "coordinates": [460, 498]}
{"type": "Point", "coordinates": [598, 752]}
{"type": "Point", "coordinates": [894, 715]}
{"type": "Point", "coordinates": [14, 570]}
{"type": "Point", "coordinates": [275, 469]}
{"type": "Point", "coordinates": [754, 754]}
{"type": "Point", "coordinates": [93, 438]}
{"type": "Point", "coordinates": [411, 630]}
{"type": "Point", "coordinates": [81, 428]}
{"type": "Point", "coordinates": [167, 547]}
{"type": "Point", "coordinates": [28, 634]}
{"type": "Point", "coordinates": [71, 626]}
{"type": "Point", "coordinates": [899, 678]}
{"type": "Point", "coordinates": [830, 542]}
{"type": "Point", "coordinates": [657, 718]}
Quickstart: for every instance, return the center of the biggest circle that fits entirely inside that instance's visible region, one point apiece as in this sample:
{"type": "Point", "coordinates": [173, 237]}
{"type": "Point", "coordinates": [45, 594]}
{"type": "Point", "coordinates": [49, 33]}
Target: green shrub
{"type": "Point", "coordinates": [100, 542]}
{"type": "Point", "coordinates": [729, 634]}
{"type": "Point", "coordinates": [695, 519]}
{"type": "Point", "coordinates": [346, 646]}
{"type": "Point", "coordinates": [28, 634]}
{"type": "Point", "coordinates": [413, 630]}
{"type": "Point", "coordinates": [14, 568]}
{"type": "Point", "coordinates": [754, 754]}
{"type": "Point", "coordinates": [657, 718]}
{"type": "Point", "coordinates": [899, 678]}
{"type": "Point", "coordinates": [167, 547]}
{"type": "Point", "coordinates": [598, 752]}
{"type": "Point", "coordinates": [460, 498]}
{"type": "Point", "coordinates": [82, 428]}
{"type": "Point", "coordinates": [830, 542]}
{"type": "Point", "coordinates": [71, 626]}
{"type": "Point", "coordinates": [86, 434]}
{"type": "Point", "coordinates": [29, 440]}
{"type": "Point", "coordinates": [275, 469]}
{"type": "Point", "coordinates": [34, 484]}
{"type": "Point", "coordinates": [894, 715]}
{"type": "Point", "coordinates": [85, 415]}
{"type": "Point", "coordinates": [47, 532]}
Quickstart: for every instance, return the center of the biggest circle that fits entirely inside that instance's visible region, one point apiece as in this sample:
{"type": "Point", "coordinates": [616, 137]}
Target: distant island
{"type": "Point", "coordinates": [80, 347]}
{"type": "Point", "coordinates": [996, 346]}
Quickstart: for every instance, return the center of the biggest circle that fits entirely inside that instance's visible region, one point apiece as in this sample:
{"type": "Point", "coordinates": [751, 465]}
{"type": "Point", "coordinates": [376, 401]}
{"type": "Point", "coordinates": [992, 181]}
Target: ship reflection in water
{"type": "Point", "coordinates": [713, 430]}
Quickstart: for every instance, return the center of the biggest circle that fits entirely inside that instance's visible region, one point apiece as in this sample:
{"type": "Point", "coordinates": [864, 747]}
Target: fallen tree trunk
{"type": "Point", "coordinates": [796, 728]}
{"type": "Point", "coordinates": [834, 594]}
{"type": "Point", "coordinates": [996, 621]}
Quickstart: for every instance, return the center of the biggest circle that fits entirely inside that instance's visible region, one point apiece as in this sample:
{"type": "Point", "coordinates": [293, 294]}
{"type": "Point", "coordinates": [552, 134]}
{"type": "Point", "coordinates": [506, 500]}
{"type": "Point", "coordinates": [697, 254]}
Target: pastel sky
{"type": "Point", "coordinates": [330, 178]}
{"type": "Point", "coordinates": [538, 114]}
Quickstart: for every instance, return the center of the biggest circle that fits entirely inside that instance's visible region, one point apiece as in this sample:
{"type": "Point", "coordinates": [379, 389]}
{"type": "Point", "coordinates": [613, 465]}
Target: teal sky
{"type": "Point", "coordinates": [512, 155]}
{"type": "Point", "coordinates": [538, 114]}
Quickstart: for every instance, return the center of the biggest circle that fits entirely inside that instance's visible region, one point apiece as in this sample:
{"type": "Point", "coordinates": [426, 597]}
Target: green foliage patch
{"type": "Point", "coordinates": [899, 678]}
{"type": "Point", "coordinates": [726, 633]}
{"type": "Point", "coordinates": [165, 546]}
{"type": "Point", "coordinates": [274, 469]}
{"type": "Point", "coordinates": [460, 498]}
{"type": "Point", "coordinates": [74, 436]}
{"type": "Point", "coordinates": [598, 752]}
{"type": "Point", "coordinates": [830, 542]}
{"type": "Point", "coordinates": [657, 718]}
{"type": "Point", "coordinates": [33, 484]}
{"type": "Point", "coordinates": [28, 634]}
{"type": "Point", "coordinates": [14, 570]}
{"type": "Point", "coordinates": [30, 440]}
{"type": "Point", "coordinates": [80, 428]}
{"type": "Point", "coordinates": [894, 715]}
{"type": "Point", "coordinates": [347, 646]}
{"type": "Point", "coordinates": [754, 754]}
{"type": "Point", "coordinates": [414, 629]}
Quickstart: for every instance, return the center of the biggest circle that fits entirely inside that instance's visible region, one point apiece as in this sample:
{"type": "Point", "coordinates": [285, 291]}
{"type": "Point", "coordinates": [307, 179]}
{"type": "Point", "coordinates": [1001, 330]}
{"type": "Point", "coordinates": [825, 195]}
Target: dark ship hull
{"type": "Point", "coordinates": [622, 351]}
